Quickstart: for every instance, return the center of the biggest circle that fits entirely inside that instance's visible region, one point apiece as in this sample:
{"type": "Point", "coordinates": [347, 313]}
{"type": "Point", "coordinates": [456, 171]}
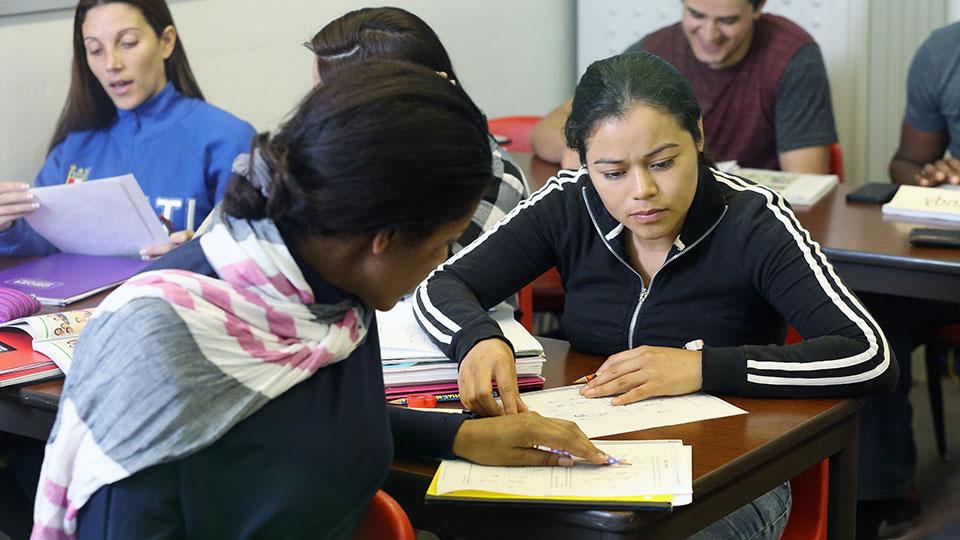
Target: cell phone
{"type": "Point", "coordinates": [873, 193]}
{"type": "Point", "coordinates": [935, 237]}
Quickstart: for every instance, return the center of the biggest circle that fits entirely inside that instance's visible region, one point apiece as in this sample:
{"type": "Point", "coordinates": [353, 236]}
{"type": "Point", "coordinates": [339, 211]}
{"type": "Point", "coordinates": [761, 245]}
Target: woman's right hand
{"type": "Point", "coordinates": [16, 201]}
{"type": "Point", "coordinates": [489, 359]}
{"type": "Point", "coordinates": [510, 440]}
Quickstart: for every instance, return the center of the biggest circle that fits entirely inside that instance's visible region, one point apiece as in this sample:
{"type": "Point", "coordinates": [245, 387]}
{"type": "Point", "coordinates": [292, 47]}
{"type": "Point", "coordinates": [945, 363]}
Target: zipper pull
{"type": "Point", "coordinates": [643, 294]}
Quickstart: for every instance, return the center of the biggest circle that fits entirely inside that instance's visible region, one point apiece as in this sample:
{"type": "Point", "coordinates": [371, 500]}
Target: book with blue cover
{"type": "Point", "coordinates": [64, 278]}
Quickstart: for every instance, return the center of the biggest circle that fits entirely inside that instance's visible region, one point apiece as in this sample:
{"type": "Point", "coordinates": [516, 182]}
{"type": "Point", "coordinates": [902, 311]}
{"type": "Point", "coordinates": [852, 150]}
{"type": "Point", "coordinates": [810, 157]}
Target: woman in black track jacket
{"type": "Point", "coordinates": [685, 275]}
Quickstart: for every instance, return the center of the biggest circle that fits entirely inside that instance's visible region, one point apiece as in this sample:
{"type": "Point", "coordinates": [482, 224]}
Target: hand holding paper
{"type": "Point", "coordinates": [152, 251]}
{"type": "Point", "coordinates": [16, 201]}
{"type": "Point", "coordinates": [110, 216]}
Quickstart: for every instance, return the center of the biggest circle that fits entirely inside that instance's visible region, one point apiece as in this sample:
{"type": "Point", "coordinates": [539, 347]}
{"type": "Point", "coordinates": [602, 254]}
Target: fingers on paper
{"type": "Point", "coordinates": [505, 374]}
{"type": "Point", "coordinates": [564, 436]}
{"type": "Point", "coordinates": [476, 388]}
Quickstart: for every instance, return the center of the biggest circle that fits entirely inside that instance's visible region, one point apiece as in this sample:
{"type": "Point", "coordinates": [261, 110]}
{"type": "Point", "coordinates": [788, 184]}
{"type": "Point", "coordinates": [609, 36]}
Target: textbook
{"type": "Point", "coordinates": [64, 278]}
{"type": "Point", "coordinates": [52, 335]}
{"type": "Point", "coordinates": [659, 475]}
{"type": "Point", "coordinates": [109, 216]}
{"type": "Point", "coordinates": [798, 189]}
{"type": "Point", "coordinates": [410, 360]}
{"type": "Point", "coordinates": [20, 363]}
{"type": "Point", "coordinates": [931, 203]}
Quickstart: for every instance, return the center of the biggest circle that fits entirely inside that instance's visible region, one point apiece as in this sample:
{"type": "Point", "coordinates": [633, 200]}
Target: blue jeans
{"type": "Point", "coordinates": [764, 518]}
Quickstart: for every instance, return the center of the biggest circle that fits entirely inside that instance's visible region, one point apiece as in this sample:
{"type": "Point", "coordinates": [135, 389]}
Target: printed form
{"type": "Point", "coordinates": [598, 417]}
{"type": "Point", "coordinates": [656, 468]}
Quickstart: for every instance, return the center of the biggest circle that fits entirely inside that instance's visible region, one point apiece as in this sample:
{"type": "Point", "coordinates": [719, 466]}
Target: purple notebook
{"type": "Point", "coordinates": [65, 278]}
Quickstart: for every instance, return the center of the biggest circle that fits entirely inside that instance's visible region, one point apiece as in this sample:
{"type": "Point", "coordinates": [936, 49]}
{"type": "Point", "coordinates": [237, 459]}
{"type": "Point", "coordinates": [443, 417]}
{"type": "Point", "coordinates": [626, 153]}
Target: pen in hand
{"type": "Point", "coordinates": [610, 459]}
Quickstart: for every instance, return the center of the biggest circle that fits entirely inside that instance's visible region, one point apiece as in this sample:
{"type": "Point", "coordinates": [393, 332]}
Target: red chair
{"type": "Point", "coordinates": [809, 490]}
{"type": "Point", "coordinates": [525, 303]}
{"type": "Point", "coordinates": [384, 520]}
{"type": "Point", "coordinates": [836, 167]}
{"type": "Point", "coordinates": [547, 293]}
{"type": "Point", "coordinates": [836, 160]}
{"type": "Point", "coordinates": [515, 128]}
{"type": "Point", "coordinates": [808, 515]}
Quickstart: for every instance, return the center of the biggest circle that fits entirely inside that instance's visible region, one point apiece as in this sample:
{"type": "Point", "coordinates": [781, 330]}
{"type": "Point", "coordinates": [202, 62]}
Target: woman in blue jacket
{"type": "Point", "coordinates": [133, 107]}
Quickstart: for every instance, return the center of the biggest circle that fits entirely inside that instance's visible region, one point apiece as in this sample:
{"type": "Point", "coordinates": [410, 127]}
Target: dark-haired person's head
{"type": "Point", "coordinates": [720, 31]}
{"type": "Point", "coordinates": [384, 32]}
{"type": "Point", "coordinates": [124, 53]}
{"type": "Point", "coordinates": [636, 125]}
{"type": "Point", "coordinates": [395, 170]}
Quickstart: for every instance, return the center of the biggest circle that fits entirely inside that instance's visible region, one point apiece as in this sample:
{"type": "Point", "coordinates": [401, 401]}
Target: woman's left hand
{"type": "Point", "coordinates": [647, 372]}
{"type": "Point", "coordinates": [153, 251]}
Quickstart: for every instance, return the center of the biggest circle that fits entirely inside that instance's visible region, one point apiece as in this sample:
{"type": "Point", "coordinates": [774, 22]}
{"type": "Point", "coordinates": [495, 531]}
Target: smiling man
{"type": "Point", "coordinates": [758, 73]}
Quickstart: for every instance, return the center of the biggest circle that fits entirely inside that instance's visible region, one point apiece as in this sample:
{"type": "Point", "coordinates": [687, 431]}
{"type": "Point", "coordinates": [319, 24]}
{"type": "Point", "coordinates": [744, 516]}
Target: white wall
{"type": "Point", "coordinates": [512, 57]}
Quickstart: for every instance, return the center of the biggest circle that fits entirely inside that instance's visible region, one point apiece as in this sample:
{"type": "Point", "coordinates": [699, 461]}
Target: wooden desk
{"type": "Point", "coordinates": [871, 253]}
{"type": "Point", "coordinates": [735, 460]}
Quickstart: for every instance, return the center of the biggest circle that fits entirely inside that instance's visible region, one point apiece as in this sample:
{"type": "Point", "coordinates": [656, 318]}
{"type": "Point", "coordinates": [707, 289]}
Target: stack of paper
{"type": "Point", "coordinates": [412, 363]}
{"type": "Point", "coordinates": [659, 474]}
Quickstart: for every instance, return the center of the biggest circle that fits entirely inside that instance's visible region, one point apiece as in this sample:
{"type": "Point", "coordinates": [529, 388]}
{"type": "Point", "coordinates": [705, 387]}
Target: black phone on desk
{"type": "Point", "coordinates": [873, 193]}
{"type": "Point", "coordinates": [935, 237]}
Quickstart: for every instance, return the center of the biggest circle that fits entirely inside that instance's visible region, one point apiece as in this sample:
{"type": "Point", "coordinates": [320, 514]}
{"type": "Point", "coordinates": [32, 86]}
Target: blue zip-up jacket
{"type": "Point", "coordinates": [741, 266]}
{"type": "Point", "coordinates": [180, 149]}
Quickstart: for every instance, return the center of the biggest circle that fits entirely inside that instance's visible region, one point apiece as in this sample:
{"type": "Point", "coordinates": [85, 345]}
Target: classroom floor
{"type": "Point", "coordinates": [937, 482]}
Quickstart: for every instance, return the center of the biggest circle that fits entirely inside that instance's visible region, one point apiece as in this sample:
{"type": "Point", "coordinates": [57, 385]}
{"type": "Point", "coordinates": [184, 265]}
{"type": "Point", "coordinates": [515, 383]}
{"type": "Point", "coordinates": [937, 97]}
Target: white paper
{"type": "Point", "coordinates": [598, 417]}
{"type": "Point", "coordinates": [656, 468]}
{"type": "Point", "coordinates": [110, 216]}
{"type": "Point", "coordinates": [402, 338]}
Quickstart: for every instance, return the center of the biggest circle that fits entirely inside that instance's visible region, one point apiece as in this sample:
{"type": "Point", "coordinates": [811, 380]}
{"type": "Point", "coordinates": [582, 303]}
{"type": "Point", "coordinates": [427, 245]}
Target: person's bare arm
{"type": "Point", "coordinates": [813, 159]}
{"type": "Point", "coordinates": [547, 138]}
{"type": "Point", "coordinates": [918, 158]}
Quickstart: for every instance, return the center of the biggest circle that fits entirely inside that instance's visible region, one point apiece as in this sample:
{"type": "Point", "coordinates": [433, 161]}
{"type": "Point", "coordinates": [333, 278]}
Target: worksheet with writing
{"type": "Point", "coordinates": [656, 468]}
{"type": "Point", "coordinates": [598, 417]}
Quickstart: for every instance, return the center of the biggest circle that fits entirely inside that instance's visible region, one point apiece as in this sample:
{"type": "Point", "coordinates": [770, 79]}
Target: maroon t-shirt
{"type": "Point", "coordinates": [739, 103]}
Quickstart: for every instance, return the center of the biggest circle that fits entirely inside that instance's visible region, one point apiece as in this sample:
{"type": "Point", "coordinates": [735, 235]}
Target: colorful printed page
{"type": "Point", "coordinates": [55, 334]}
{"type": "Point", "coordinates": [598, 417]}
{"type": "Point", "coordinates": [657, 470]}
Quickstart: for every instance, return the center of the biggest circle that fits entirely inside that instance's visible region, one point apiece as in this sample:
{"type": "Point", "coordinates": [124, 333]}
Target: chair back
{"type": "Point", "coordinates": [808, 514]}
{"type": "Point", "coordinates": [515, 128]}
{"type": "Point", "coordinates": [836, 160]}
{"type": "Point", "coordinates": [384, 520]}
{"type": "Point", "coordinates": [525, 304]}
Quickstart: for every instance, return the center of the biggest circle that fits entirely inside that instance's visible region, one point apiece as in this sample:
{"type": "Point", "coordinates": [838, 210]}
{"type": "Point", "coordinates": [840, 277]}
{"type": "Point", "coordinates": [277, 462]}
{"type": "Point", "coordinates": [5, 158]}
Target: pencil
{"type": "Point", "coordinates": [441, 398]}
{"type": "Point", "coordinates": [586, 378]}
